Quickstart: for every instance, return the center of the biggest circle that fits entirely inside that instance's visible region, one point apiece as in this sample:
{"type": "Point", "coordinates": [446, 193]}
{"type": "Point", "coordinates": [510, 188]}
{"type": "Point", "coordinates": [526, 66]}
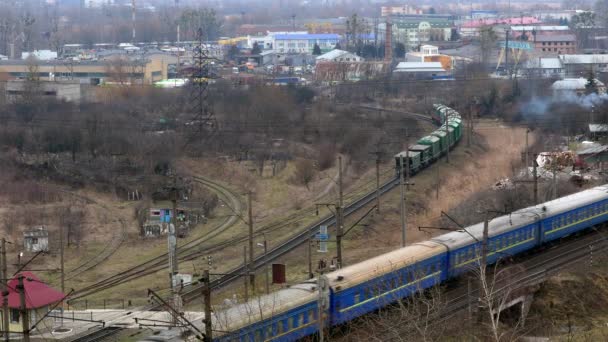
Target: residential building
{"type": "Point", "coordinates": [386, 11]}
{"type": "Point", "coordinates": [337, 55]}
{"type": "Point", "coordinates": [413, 32]}
{"type": "Point", "coordinates": [557, 44]}
{"type": "Point", "coordinates": [430, 53]}
{"type": "Point", "coordinates": [581, 65]}
{"type": "Point", "coordinates": [471, 28]}
{"type": "Point", "coordinates": [41, 298]}
{"type": "Point", "coordinates": [36, 240]}
{"type": "Point", "coordinates": [326, 71]}
{"type": "Point", "coordinates": [420, 70]}
{"type": "Point", "coordinates": [304, 43]}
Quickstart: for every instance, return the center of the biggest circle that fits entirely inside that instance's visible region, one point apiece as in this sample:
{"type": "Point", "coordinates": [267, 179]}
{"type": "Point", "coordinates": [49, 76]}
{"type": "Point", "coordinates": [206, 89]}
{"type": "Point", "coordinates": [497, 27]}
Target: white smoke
{"type": "Point", "coordinates": [540, 105]}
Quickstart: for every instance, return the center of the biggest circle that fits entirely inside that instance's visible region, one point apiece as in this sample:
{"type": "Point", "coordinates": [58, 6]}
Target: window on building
{"type": "Point", "coordinates": [14, 316]}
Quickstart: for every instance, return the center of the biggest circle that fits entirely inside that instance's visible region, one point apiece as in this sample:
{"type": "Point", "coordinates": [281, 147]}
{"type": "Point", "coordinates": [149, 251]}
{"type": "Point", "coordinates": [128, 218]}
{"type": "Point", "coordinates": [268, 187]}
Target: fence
{"type": "Point", "coordinates": [86, 304]}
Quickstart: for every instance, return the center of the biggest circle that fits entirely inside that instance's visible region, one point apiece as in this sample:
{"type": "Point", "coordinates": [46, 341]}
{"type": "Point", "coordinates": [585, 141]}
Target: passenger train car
{"type": "Point", "coordinates": [355, 290]}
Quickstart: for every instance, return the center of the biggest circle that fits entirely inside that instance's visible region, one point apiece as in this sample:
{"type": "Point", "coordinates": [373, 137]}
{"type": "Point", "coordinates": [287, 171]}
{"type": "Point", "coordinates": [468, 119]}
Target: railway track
{"type": "Point", "coordinates": [295, 241]}
{"type": "Point", "coordinates": [187, 251]}
{"type": "Point", "coordinates": [98, 335]}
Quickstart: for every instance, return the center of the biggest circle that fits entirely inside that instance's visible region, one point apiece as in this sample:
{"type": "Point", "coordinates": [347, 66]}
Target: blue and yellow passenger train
{"type": "Point", "coordinates": [293, 313]}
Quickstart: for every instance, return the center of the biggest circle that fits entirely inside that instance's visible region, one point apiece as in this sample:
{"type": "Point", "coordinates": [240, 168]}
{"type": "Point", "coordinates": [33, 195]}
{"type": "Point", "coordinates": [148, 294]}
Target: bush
{"type": "Point", "coordinates": [305, 172]}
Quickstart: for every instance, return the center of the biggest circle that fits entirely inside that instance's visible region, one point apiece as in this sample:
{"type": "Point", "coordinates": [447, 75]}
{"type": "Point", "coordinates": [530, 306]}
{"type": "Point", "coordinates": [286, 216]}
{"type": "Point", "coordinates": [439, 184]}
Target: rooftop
{"type": "Point", "coordinates": [306, 36]}
{"type": "Point", "coordinates": [38, 293]}
{"type": "Point", "coordinates": [573, 84]}
{"type": "Point", "coordinates": [584, 59]}
{"type": "Point", "coordinates": [335, 53]}
{"type": "Point", "coordinates": [595, 128]}
{"type": "Point", "coordinates": [497, 21]}
{"type": "Point", "coordinates": [556, 38]}
{"type": "Point", "coordinates": [540, 28]}
{"type": "Point", "coordinates": [419, 67]}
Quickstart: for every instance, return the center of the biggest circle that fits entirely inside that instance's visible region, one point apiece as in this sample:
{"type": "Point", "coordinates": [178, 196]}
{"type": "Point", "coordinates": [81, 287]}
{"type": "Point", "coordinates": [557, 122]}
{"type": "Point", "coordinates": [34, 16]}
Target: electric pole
{"type": "Point", "coordinates": [246, 270]}
{"type": "Point", "coordinates": [402, 201]}
{"type": "Point", "coordinates": [251, 250]}
{"type": "Point", "coordinates": [172, 253]}
{"type": "Point", "coordinates": [5, 309]}
{"type": "Point", "coordinates": [527, 151]}
{"type": "Point", "coordinates": [25, 321]}
{"type": "Point", "coordinates": [266, 264]}
{"type": "Point", "coordinates": [378, 183]}
{"type": "Point", "coordinates": [447, 138]}
{"type": "Point", "coordinates": [310, 274]}
{"type": "Point", "coordinates": [535, 179]}
{"type": "Point", "coordinates": [339, 217]}
{"type": "Point", "coordinates": [207, 298]}
{"type": "Point", "coordinates": [61, 257]}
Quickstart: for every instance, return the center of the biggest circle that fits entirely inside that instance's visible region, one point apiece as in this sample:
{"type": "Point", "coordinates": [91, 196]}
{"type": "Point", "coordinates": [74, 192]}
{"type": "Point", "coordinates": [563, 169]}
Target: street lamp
{"type": "Point", "coordinates": [265, 246]}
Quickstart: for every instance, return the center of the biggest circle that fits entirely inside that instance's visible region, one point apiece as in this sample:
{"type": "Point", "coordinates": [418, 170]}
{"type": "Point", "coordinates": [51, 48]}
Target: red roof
{"type": "Point", "coordinates": [37, 293]}
{"type": "Point", "coordinates": [499, 21]}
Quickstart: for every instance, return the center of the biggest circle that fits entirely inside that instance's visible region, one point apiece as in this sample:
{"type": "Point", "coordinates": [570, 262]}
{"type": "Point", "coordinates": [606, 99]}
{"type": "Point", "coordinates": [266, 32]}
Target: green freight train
{"type": "Point", "coordinates": [431, 147]}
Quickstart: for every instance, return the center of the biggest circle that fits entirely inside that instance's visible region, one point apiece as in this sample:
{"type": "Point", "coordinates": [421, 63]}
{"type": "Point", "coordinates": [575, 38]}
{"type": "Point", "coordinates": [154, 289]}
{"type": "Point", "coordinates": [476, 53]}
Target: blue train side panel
{"type": "Point", "coordinates": [381, 291]}
{"type": "Point", "coordinates": [573, 221]}
{"type": "Point", "coordinates": [467, 258]}
{"type": "Point", "coordinates": [289, 326]}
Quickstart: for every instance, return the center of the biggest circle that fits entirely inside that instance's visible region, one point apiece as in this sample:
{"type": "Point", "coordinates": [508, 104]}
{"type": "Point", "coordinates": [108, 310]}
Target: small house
{"type": "Point", "coordinates": [40, 299]}
{"type": "Point", "coordinates": [36, 240]}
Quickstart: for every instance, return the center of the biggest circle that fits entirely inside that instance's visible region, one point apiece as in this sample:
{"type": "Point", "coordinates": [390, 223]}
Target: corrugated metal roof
{"type": "Point", "coordinates": [540, 28]}
{"type": "Point", "coordinates": [331, 55]}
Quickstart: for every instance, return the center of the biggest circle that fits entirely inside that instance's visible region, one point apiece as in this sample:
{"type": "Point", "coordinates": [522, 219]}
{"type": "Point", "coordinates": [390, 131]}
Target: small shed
{"type": "Point", "coordinates": [36, 240]}
{"type": "Point", "coordinates": [594, 155]}
{"type": "Point", "coordinates": [40, 299]}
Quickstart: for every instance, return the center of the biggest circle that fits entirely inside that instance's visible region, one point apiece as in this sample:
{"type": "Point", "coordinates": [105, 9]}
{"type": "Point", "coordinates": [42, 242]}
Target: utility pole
{"type": "Point", "coordinates": [554, 169]}
{"type": "Point", "coordinates": [447, 136]}
{"type": "Point", "coordinates": [172, 245]}
{"type": "Point", "coordinates": [310, 274]}
{"type": "Point", "coordinates": [207, 298]}
{"type": "Point", "coordinates": [266, 264]}
{"type": "Point", "coordinates": [535, 179]}
{"type": "Point", "coordinates": [251, 250]}
{"type": "Point", "coordinates": [133, 20]}
{"type": "Point", "coordinates": [378, 183]}
{"type": "Point", "coordinates": [507, 53]}
{"type": "Point", "coordinates": [339, 217]}
{"type": "Point", "coordinates": [402, 202]}
{"type": "Point", "coordinates": [61, 257]}
{"type": "Point", "coordinates": [246, 270]}
{"type": "Point", "coordinates": [25, 322]}
{"type": "Point", "coordinates": [5, 309]}
{"type": "Point", "coordinates": [527, 151]}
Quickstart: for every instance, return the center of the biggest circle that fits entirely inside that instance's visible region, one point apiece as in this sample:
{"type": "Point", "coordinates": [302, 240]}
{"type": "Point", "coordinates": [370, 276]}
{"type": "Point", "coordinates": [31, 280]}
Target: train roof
{"type": "Point", "coordinates": [428, 138]}
{"type": "Point", "coordinates": [419, 147]}
{"type": "Point", "coordinates": [522, 217]}
{"type": "Point", "coordinates": [257, 309]}
{"type": "Point", "coordinates": [405, 154]}
{"type": "Point", "coordinates": [363, 271]}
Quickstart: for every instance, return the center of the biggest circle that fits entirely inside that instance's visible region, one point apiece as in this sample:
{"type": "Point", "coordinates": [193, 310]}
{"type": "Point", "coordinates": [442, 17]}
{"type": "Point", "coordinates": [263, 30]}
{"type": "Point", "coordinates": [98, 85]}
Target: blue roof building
{"type": "Point", "coordinates": [304, 43]}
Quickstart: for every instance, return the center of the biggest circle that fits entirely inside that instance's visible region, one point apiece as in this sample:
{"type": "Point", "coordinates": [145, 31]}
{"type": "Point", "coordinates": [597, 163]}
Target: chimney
{"type": "Point", "coordinates": [388, 41]}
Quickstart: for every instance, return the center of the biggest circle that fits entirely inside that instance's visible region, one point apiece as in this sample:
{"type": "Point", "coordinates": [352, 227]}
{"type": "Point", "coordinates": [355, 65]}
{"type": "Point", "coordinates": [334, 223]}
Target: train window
{"type": "Point", "coordinates": [311, 314]}
{"type": "Point", "coordinates": [301, 319]}
{"type": "Point", "coordinates": [258, 335]}
{"type": "Point", "coordinates": [290, 323]}
{"type": "Point", "coordinates": [357, 298]}
{"type": "Point", "coordinates": [280, 327]}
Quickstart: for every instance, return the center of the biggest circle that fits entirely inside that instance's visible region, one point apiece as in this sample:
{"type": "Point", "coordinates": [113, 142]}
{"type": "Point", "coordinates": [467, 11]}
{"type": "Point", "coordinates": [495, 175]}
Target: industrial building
{"type": "Point", "coordinates": [129, 69]}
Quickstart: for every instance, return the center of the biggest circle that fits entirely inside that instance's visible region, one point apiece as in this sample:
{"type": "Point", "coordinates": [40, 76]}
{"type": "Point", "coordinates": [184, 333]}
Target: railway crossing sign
{"type": "Point", "coordinates": [322, 237]}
